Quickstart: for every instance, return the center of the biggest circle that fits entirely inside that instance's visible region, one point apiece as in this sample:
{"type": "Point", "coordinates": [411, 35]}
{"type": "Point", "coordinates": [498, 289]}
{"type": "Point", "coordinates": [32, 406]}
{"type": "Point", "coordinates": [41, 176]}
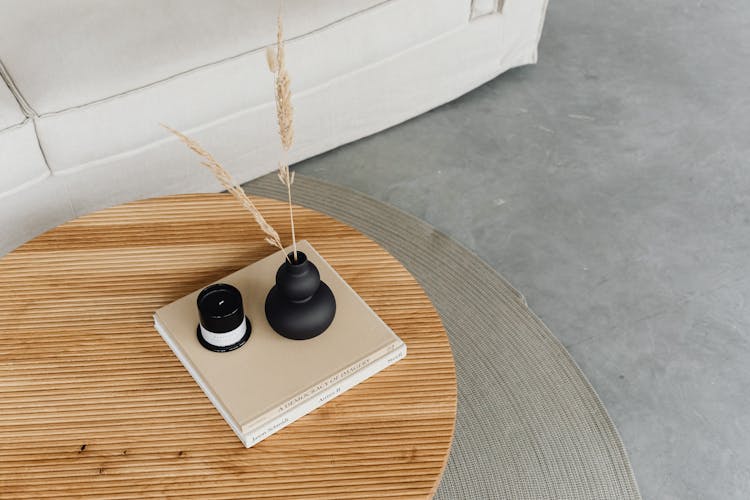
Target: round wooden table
{"type": "Point", "coordinates": [94, 404]}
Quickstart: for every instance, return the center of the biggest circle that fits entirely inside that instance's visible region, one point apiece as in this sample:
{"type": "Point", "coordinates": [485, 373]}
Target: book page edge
{"type": "Point", "coordinates": [335, 390]}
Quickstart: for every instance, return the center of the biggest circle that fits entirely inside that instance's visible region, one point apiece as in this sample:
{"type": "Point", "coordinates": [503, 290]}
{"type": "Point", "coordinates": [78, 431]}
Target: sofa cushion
{"type": "Point", "coordinates": [93, 49]}
{"type": "Point", "coordinates": [114, 70]}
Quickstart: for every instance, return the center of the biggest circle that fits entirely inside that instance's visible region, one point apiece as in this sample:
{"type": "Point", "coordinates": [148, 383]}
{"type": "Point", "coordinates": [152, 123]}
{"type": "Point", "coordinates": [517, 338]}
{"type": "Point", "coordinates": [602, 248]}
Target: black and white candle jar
{"type": "Point", "coordinates": [223, 325]}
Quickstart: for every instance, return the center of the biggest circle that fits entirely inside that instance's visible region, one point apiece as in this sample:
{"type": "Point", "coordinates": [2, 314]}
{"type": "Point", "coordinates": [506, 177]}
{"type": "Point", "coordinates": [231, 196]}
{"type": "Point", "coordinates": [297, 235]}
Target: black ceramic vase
{"type": "Point", "coordinates": [300, 306]}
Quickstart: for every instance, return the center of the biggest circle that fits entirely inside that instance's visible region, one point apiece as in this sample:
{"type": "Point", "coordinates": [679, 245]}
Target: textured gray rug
{"type": "Point", "coordinates": [529, 425]}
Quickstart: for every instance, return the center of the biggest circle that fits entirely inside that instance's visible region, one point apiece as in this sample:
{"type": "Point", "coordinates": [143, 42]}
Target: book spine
{"type": "Point", "coordinates": [317, 388]}
{"type": "Point", "coordinates": [267, 429]}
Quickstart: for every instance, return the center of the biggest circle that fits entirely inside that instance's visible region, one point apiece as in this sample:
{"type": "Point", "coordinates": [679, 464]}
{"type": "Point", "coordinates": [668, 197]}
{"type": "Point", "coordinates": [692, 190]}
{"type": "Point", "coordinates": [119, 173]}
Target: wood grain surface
{"type": "Point", "coordinates": [94, 404]}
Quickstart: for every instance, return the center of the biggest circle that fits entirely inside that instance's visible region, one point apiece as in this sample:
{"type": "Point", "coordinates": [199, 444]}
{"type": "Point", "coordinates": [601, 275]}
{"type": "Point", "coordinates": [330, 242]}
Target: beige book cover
{"type": "Point", "coordinates": [270, 374]}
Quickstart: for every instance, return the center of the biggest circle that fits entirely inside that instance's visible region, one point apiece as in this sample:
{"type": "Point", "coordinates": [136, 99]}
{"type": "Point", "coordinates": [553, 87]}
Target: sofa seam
{"type": "Point", "coordinates": [26, 108]}
{"type": "Point", "coordinates": [27, 111]}
{"type": "Point", "coordinates": [36, 135]}
{"type": "Point", "coordinates": [26, 184]}
{"type": "Point", "coordinates": [15, 125]}
{"type": "Point", "coordinates": [201, 67]}
{"type": "Point", "coordinates": [39, 145]}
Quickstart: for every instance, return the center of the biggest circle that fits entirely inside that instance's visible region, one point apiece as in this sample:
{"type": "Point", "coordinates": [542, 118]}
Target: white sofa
{"type": "Point", "coordinates": [87, 82]}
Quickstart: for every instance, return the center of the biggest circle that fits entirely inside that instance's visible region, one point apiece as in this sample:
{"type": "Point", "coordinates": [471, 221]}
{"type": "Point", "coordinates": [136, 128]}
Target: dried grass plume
{"type": "Point", "coordinates": [226, 180]}
{"type": "Point", "coordinates": [284, 114]}
{"type": "Point", "coordinates": [282, 85]}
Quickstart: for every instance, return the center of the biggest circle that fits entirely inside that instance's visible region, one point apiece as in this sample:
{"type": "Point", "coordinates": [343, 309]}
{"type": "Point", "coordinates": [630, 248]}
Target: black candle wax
{"type": "Point", "coordinates": [220, 308]}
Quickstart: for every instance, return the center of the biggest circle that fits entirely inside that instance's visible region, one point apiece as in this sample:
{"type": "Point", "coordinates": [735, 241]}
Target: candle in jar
{"type": "Point", "coordinates": [223, 326]}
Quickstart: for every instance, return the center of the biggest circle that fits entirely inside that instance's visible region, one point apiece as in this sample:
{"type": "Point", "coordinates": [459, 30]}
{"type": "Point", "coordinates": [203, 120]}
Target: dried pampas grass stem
{"type": "Point", "coordinates": [287, 179]}
{"type": "Point", "coordinates": [226, 180]}
{"type": "Point", "coordinates": [284, 114]}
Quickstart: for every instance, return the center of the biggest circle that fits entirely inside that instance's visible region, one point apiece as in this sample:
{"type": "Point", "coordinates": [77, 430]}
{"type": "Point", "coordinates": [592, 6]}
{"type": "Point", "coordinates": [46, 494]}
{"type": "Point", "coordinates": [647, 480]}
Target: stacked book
{"type": "Point", "coordinates": [272, 381]}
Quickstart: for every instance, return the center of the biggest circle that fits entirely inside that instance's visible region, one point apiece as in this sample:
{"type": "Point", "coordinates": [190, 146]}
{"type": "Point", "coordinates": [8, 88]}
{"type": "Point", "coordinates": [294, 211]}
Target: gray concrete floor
{"type": "Point", "coordinates": [611, 185]}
